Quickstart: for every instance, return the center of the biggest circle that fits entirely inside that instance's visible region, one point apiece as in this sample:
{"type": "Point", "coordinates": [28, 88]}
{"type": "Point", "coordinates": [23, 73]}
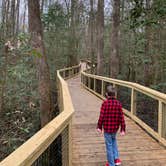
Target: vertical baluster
{"type": "Point", "coordinates": [162, 119]}
{"type": "Point", "coordinates": [133, 102]}
{"type": "Point", "coordinates": [160, 111]}
{"type": "Point", "coordinates": [102, 87]}
{"type": "Point", "coordinates": [70, 143]}
{"type": "Point", "coordinates": [89, 82]}
{"type": "Point", "coordinates": [94, 85]}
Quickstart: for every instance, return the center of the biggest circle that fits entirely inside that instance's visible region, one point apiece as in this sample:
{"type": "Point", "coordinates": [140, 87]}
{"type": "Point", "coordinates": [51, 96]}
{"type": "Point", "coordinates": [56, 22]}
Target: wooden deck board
{"type": "Point", "coordinates": [137, 148]}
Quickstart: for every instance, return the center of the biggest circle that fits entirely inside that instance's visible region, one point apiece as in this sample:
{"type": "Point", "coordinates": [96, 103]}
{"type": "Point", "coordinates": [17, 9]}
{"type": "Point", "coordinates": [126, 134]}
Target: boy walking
{"type": "Point", "coordinates": [111, 117]}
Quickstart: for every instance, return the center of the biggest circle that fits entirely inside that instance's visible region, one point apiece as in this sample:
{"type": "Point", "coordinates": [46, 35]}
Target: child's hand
{"type": "Point", "coordinates": [122, 133]}
{"type": "Point", "coordinates": [99, 130]}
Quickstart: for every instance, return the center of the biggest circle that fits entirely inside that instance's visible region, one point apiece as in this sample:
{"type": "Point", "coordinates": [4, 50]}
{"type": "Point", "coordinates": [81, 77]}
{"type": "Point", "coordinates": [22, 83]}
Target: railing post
{"type": "Point", "coordinates": [102, 87]}
{"type": "Point", "coordinates": [70, 143]}
{"type": "Point", "coordinates": [160, 111]}
{"type": "Point", "coordinates": [89, 82]}
{"type": "Point", "coordinates": [70, 73]}
{"type": "Point", "coordinates": [162, 119]}
{"type": "Point", "coordinates": [133, 102]}
{"type": "Point", "coordinates": [83, 80]}
{"type": "Point", "coordinates": [94, 85]}
{"type": "Point", "coordinates": [73, 71]}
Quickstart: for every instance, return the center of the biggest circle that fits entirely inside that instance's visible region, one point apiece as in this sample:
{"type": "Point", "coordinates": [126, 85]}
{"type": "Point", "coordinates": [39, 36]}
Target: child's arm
{"type": "Point", "coordinates": [101, 117]}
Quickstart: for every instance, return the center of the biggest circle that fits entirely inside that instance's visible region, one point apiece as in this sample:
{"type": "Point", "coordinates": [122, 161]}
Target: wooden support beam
{"type": "Point", "coordinates": [70, 143]}
{"type": "Point", "coordinates": [160, 112]}
{"type": "Point", "coordinates": [133, 102]}
{"type": "Point", "coordinates": [94, 87]}
{"type": "Point", "coordinates": [102, 87]}
{"type": "Point", "coordinates": [89, 82]}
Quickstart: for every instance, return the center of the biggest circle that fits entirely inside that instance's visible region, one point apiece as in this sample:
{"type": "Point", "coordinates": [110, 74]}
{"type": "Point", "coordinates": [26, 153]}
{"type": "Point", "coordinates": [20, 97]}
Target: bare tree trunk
{"type": "Point", "coordinates": [100, 37]}
{"type": "Point", "coordinates": [18, 15]}
{"type": "Point", "coordinates": [73, 39]}
{"type": "Point", "coordinates": [3, 25]}
{"type": "Point", "coordinates": [24, 16]}
{"type": "Point", "coordinates": [50, 2]}
{"type": "Point", "coordinates": [114, 56]}
{"type": "Point", "coordinates": [148, 60]}
{"type": "Point", "coordinates": [91, 27]}
{"type": "Point", "coordinates": [13, 13]}
{"type": "Point", "coordinates": [35, 27]}
{"type": "Point", "coordinates": [42, 6]}
{"type": "Point", "coordinates": [7, 22]}
{"type": "Point", "coordinates": [3, 86]}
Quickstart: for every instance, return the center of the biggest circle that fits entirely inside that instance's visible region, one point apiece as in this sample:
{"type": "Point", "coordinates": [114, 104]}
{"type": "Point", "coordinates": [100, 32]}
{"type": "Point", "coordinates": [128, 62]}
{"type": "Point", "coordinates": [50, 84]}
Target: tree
{"type": "Point", "coordinates": [100, 37]}
{"type": "Point", "coordinates": [18, 16]}
{"type": "Point", "coordinates": [114, 55]}
{"type": "Point", "coordinates": [73, 43]}
{"type": "Point", "coordinates": [91, 31]}
{"type": "Point", "coordinates": [12, 17]}
{"type": "Point", "coordinates": [148, 46]}
{"type": "Point", "coordinates": [3, 85]}
{"type": "Point", "coordinates": [35, 28]}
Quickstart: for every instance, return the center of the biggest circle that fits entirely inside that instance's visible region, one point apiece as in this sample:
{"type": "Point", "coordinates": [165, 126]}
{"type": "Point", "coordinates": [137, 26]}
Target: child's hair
{"type": "Point", "coordinates": [111, 91]}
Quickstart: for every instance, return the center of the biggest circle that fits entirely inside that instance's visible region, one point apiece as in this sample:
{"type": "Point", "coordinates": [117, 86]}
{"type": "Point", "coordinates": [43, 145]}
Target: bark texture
{"type": "Point", "coordinates": [35, 28]}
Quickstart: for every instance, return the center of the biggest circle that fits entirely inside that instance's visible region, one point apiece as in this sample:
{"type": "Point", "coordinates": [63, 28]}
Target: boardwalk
{"type": "Point", "coordinates": [137, 148]}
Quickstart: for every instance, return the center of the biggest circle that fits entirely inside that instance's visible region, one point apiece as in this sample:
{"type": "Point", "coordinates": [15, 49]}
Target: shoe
{"type": "Point", "coordinates": [117, 162]}
{"type": "Point", "coordinates": [107, 164]}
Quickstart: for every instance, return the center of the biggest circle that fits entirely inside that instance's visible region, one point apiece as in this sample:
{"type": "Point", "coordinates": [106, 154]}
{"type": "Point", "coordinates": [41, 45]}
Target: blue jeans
{"type": "Point", "coordinates": [111, 147]}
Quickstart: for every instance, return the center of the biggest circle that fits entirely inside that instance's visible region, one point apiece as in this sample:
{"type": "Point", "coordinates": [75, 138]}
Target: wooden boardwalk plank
{"type": "Point", "coordinates": [137, 148]}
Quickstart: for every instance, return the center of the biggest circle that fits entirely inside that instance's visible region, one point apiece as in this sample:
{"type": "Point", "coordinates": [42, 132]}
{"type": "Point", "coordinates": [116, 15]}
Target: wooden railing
{"type": "Point", "coordinates": [31, 150]}
{"type": "Point", "coordinates": [97, 85]}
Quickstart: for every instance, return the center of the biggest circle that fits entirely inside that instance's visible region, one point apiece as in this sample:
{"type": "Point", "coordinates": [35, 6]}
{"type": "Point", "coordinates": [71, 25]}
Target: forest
{"type": "Point", "coordinates": [125, 39]}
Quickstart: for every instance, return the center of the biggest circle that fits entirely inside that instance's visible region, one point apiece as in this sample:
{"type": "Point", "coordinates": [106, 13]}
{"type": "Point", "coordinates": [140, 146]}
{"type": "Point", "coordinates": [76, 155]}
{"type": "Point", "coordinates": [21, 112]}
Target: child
{"type": "Point", "coordinates": [111, 117]}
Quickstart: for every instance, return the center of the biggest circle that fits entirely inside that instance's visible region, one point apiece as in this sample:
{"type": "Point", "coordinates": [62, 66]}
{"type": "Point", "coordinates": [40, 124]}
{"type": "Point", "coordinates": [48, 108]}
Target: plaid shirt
{"type": "Point", "coordinates": [111, 116]}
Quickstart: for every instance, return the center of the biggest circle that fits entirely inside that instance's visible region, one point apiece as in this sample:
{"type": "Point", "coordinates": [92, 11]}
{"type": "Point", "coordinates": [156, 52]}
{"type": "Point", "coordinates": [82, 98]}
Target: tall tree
{"type": "Point", "coordinates": [114, 55]}
{"type": "Point", "coordinates": [35, 28]}
{"type": "Point", "coordinates": [24, 16]}
{"type": "Point", "coordinates": [42, 5]}
{"type": "Point", "coordinates": [73, 43]}
{"type": "Point", "coordinates": [148, 73]}
{"type": "Point", "coordinates": [100, 37]}
{"type": "Point", "coordinates": [91, 30]}
{"type": "Point", "coordinates": [3, 12]}
{"type": "Point", "coordinates": [13, 14]}
{"type": "Point", "coordinates": [18, 16]}
{"type": "Point", "coordinates": [3, 85]}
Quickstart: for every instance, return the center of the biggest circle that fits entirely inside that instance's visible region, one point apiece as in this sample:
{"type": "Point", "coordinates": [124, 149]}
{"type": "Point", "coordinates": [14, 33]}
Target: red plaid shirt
{"type": "Point", "coordinates": [111, 116]}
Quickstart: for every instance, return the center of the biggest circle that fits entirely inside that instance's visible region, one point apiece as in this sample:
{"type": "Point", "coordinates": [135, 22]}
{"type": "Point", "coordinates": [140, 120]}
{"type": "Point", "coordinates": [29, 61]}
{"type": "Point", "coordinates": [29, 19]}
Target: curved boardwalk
{"type": "Point", "coordinates": [137, 148]}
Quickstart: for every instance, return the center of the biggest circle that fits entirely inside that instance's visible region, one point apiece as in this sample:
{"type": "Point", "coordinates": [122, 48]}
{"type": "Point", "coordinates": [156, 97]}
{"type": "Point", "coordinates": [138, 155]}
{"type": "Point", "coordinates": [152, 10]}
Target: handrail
{"type": "Point", "coordinates": [27, 153]}
{"type": "Point", "coordinates": [160, 135]}
{"type": "Point", "coordinates": [148, 91]}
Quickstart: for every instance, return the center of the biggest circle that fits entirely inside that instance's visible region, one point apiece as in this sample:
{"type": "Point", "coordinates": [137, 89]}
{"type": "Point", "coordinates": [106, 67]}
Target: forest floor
{"type": "Point", "coordinates": [16, 127]}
